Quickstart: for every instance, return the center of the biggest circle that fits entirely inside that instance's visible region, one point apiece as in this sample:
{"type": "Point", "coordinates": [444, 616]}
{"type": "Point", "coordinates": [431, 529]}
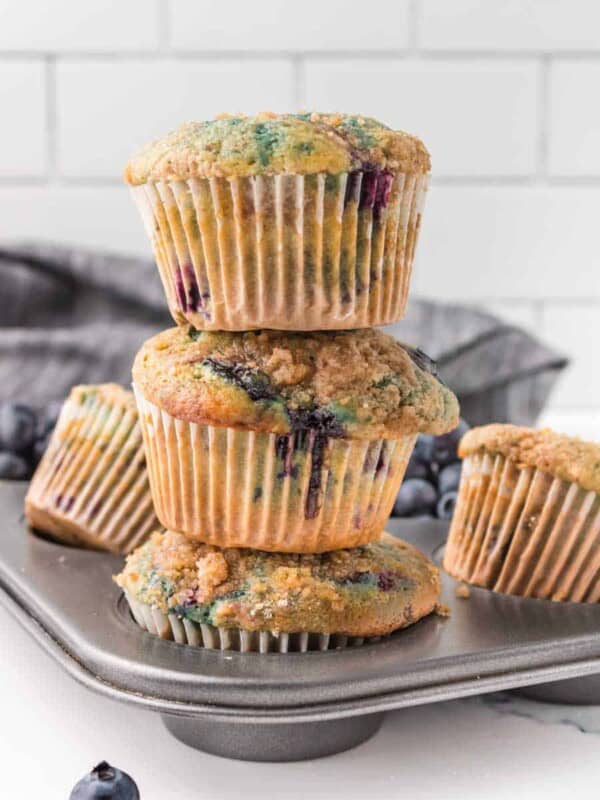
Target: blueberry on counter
{"type": "Point", "coordinates": [13, 467]}
{"type": "Point", "coordinates": [17, 427]}
{"type": "Point", "coordinates": [106, 782]}
{"type": "Point", "coordinates": [446, 505]}
{"type": "Point", "coordinates": [415, 497]}
{"type": "Point", "coordinates": [449, 477]}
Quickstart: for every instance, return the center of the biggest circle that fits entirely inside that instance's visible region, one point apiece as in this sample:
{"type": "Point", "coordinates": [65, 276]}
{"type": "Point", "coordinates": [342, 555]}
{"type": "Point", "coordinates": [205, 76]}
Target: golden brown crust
{"type": "Point", "coordinates": [361, 384]}
{"type": "Point", "coordinates": [239, 146]}
{"type": "Point", "coordinates": [565, 457]}
{"type": "Point", "coordinates": [367, 591]}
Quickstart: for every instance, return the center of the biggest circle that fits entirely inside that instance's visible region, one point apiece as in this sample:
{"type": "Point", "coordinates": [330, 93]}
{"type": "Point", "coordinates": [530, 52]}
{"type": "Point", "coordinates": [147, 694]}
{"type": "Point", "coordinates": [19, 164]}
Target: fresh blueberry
{"type": "Point", "coordinates": [416, 468]}
{"type": "Point", "coordinates": [449, 477]}
{"type": "Point", "coordinates": [416, 496]}
{"type": "Point", "coordinates": [424, 448]}
{"type": "Point", "coordinates": [13, 467]}
{"type": "Point", "coordinates": [39, 448]}
{"type": "Point", "coordinates": [446, 505]}
{"type": "Point", "coordinates": [17, 427]}
{"type": "Point", "coordinates": [106, 782]}
{"type": "Point", "coordinates": [48, 418]}
{"type": "Point", "coordinates": [446, 446]}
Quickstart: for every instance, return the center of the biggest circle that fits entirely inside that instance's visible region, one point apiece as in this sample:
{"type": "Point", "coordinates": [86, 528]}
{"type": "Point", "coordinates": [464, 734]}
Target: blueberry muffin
{"type": "Point", "coordinates": [250, 600]}
{"type": "Point", "coordinates": [282, 441]}
{"type": "Point", "coordinates": [91, 486]}
{"type": "Point", "coordinates": [294, 221]}
{"type": "Point", "coordinates": [527, 519]}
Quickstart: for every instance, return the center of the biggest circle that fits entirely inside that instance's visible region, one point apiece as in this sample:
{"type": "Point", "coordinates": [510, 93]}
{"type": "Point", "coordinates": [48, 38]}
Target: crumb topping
{"type": "Point", "coordinates": [354, 384]}
{"type": "Point", "coordinates": [566, 457]}
{"type": "Point", "coordinates": [305, 143]}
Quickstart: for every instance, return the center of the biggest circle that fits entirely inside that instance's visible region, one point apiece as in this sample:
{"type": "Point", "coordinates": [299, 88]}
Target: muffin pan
{"type": "Point", "coordinates": [287, 707]}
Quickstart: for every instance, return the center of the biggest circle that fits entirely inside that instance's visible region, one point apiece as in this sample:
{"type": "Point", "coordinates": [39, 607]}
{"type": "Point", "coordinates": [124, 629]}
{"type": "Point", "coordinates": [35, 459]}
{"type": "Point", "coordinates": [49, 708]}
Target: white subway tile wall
{"type": "Point", "coordinates": [503, 93]}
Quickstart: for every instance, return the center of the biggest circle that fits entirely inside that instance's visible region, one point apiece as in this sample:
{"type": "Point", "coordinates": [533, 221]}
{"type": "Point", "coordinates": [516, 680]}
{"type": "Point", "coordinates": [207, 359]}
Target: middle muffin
{"type": "Point", "coordinates": [289, 442]}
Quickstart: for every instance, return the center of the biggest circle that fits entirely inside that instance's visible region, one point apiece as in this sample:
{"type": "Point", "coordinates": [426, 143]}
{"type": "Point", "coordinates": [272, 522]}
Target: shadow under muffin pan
{"type": "Point", "coordinates": [274, 707]}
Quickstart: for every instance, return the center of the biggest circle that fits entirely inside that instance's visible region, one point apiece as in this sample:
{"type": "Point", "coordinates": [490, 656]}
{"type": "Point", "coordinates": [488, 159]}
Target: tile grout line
{"type": "Point", "coordinates": [399, 53]}
{"type": "Point", "coordinates": [544, 132]}
{"type": "Point", "coordinates": [413, 26]}
{"type": "Point", "coordinates": [50, 97]}
{"type": "Point", "coordinates": [164, 12]}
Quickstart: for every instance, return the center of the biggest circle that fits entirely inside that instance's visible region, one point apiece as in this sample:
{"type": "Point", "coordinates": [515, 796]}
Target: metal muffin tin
{"type": "Point", "coordinates": [286, 707]}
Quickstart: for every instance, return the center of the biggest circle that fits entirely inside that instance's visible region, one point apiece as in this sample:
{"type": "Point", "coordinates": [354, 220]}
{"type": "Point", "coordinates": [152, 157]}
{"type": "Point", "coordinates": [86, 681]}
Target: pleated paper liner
{"type": "Point", "coordinates": [185, 631]}
{"type": "Point", "coordinates": [291, 252]}
{"type": "Point", "coordinates": [302, 493]}
{"type": "Point", "coordinates": [519, 530]}
{"type": "Point", "coordinates": [91, 486]}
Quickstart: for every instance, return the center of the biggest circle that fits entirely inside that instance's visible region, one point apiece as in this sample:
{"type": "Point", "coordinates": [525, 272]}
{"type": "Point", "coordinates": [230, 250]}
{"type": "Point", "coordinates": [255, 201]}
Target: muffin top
{"type": "Point", "coordinates": [349, 384]}
{"type": "Point", "coordinates": [364, 591]}
{"type": "Point", "coordinates": [267, 144]}
{"type": "Point", "coordinates": [564, 457]}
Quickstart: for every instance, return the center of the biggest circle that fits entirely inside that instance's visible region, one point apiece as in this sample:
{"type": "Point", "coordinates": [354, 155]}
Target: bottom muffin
{"type": "Point", "coordinates": [247, 600]}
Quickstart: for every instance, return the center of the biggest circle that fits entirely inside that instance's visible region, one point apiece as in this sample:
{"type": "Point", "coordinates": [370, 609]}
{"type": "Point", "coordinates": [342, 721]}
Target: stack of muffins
{"type": "Point", "coordinates": [277, 421]}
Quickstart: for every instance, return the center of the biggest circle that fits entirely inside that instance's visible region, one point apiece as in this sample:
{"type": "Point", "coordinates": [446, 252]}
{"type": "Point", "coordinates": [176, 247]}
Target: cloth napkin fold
{"type": "Point", "coordinates": [70, 315]}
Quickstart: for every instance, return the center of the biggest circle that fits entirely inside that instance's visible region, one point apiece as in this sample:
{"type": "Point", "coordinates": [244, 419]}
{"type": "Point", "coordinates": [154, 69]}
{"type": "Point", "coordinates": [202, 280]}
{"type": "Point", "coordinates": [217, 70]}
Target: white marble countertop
{"type": "Point", "coordinates": [495, 747]}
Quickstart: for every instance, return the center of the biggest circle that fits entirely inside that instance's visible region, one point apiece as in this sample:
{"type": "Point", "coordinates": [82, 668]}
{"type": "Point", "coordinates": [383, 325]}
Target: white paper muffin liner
{"type": "Point", "coordinates": [300, 494]}
{"type": "Point", "coordinates": [292, 252]}
{"type": "Point", "coordinates": [91, 486]}
{"type": "Point", "coordinates": [519, 530]}
{"type": "Point", "coordinates": [185, 631]}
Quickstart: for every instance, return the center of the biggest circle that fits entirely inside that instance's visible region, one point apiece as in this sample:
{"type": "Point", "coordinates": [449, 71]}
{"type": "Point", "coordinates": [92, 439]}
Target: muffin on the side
{"type": "Point", "coordinates": [527, 519]}
{"type": "Point", "coordinates": [281, 441]}
{"type": "Point", "coordinates": [91, 486]}
{"type": "Point", "coordinates": [292, 221]}
{"type": "Point", "coordinates": [250, 600]}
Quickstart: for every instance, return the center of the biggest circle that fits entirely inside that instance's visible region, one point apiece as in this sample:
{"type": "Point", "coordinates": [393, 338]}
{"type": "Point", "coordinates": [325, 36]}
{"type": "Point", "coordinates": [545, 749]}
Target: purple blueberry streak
{"type": "Point", "coordinates": [189, 296]}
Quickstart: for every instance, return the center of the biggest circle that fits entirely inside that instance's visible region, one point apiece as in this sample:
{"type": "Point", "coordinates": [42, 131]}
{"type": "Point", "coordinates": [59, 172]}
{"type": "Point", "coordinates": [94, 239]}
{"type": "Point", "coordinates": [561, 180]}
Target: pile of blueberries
{"type": "Point", "coordinates": [24, 436]}
{"type": "Point", "coordinates": [430, 486]}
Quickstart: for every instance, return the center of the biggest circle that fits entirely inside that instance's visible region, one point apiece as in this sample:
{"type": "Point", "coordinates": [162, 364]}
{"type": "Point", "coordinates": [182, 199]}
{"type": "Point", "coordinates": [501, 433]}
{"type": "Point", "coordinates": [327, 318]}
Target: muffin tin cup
{"type": "Point", "coordinates": [298, 493]}
{"type": "Point", "coordinates": [291, 252]}
{"type": "Point", "coordinates": [185, 631]}
{"type": "Point", "coordinates": [519, 530]}
{"type": "Point", "coordinates": [91, 486]}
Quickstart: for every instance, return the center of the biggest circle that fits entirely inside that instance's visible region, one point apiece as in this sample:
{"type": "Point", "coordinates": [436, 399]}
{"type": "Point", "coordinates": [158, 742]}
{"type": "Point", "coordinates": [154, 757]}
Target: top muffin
{"type": "Point", "coordinates": [239, 146]}
{"type": "Point", "coordinates": [561, 456]}
{"type": "Point", "coordinates": [355, 384]}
